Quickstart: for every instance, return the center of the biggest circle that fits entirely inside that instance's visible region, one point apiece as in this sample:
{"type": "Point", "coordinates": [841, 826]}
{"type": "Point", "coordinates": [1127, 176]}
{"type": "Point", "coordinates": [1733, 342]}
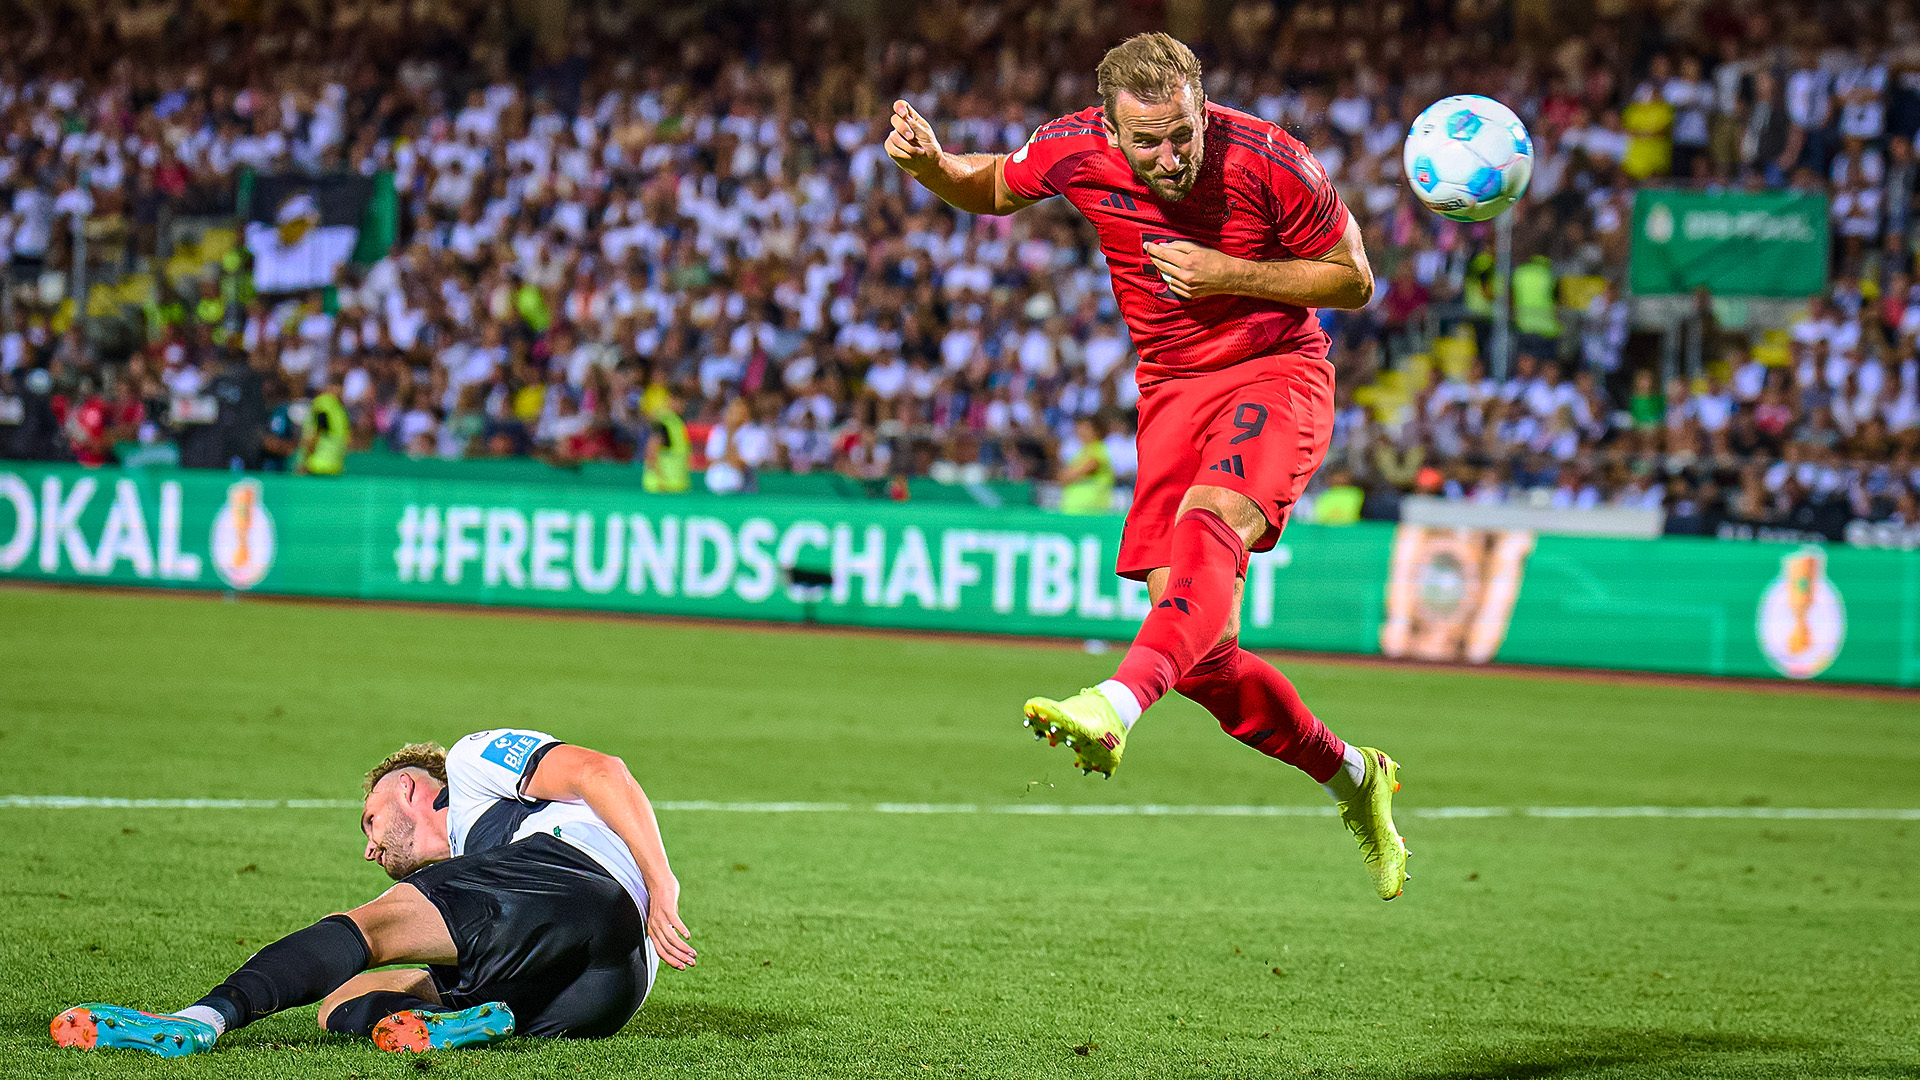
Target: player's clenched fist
{"type": "Point", "coordinates": [1192, 271]}
{"type": "Point", "coordinates": [912, 145]}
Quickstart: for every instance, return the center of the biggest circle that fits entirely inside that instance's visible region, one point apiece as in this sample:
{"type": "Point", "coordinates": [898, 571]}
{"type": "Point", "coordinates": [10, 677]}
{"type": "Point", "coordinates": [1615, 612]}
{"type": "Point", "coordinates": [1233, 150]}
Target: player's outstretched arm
{"type": "Point", "coordinates": [974, 183]}
{"type": "Point", "coordinates": [575, 774]}
{"type": "Point", "coordinates": [1342, 278]}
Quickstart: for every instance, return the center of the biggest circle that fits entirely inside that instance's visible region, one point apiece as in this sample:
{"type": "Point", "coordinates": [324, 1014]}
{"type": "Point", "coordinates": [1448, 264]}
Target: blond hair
{"type": "Point", "coordinates": [432, 757]}
{"type": "Point", "coordinates": [1150, 67]}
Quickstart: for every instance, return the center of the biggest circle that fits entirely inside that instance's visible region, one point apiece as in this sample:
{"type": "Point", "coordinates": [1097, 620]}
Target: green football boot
{"type": "Point", "coordinates": [1369, 816]}
{"type": "Point", "coordinates": [1088, 723]}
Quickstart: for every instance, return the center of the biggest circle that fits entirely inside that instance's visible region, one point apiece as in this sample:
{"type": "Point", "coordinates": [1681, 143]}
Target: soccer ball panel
{"type": "Point", "coordinates": [1463, 124]}
{"type": "Point", "coordinates": [1421, 173]}
{"type": "Point", "coordinates": [1468, 157]}
{"type": "Point", "coordinates": [1494, 144]}
{"type": "Point", "coordinates": [1516, 176]}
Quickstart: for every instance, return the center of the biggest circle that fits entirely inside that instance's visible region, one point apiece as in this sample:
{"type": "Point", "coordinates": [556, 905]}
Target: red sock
{"type": "Point", "coordinates": [1259, 706]}
{"type": "Point", "coordinates": [1187, 621]}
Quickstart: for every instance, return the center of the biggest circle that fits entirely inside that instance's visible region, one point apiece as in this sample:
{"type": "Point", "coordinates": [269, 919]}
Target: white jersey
{"type": "Point", "coordinates": [487, 774]}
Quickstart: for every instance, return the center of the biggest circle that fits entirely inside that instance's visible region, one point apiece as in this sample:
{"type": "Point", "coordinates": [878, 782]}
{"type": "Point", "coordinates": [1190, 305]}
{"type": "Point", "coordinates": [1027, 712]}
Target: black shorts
{"type": "Point", "coordinates": [542, 927]}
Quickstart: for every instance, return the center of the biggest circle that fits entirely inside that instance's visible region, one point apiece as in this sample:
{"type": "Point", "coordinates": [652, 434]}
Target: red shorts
{"type": "Point", "coordinates": [1260, 427]}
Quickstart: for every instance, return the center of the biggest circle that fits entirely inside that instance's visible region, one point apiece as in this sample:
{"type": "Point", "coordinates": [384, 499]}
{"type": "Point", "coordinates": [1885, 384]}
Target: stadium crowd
{"type": "Point", "coordinates": [661, 234]}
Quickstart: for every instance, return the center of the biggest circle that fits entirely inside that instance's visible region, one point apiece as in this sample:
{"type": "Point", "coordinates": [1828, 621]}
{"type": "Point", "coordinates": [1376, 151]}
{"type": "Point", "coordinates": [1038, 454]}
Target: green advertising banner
{"type": "Point", "coordinates": [1436, 594]}
{"type": "Point", "coordinates": [1733, 244]}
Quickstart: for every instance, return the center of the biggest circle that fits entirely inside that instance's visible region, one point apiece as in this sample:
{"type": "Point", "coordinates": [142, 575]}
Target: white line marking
{"type": "Point", "coordinates": [1760, 813]}
{"type": "Point", "coordinates": [761, 807]}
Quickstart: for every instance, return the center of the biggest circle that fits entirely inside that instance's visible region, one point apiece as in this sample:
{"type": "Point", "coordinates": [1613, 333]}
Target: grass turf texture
{"type": "Point", "coordinates": [865, 945]}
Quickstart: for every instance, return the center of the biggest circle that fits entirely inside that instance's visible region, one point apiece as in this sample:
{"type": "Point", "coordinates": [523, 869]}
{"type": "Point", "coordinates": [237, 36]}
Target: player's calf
{"type": "Point", "coordinates": [1259, 706]}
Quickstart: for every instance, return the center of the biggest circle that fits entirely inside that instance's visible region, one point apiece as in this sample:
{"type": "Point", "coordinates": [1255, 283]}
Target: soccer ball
{"type": "Point", "coordinates": [1468, 157]}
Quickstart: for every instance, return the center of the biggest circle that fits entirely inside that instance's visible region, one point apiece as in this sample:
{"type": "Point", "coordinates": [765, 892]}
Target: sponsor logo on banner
{"type": "Point", "coordinates": [1802, 621]}
{"type": "Point", "coordinates": [836, 563]}
{"type": "Point", "coordinates": [242, 539]}
{"type": "Point", "coordinates": [1660, 224]}
{"type": "Point", "coordinates": [1450, 592]}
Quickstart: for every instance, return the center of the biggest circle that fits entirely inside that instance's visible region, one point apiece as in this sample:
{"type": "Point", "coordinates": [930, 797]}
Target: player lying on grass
{"type": "Point", "coordinates": [524, 867]}
{"type": "Point", "coordinates": [1222, 235]}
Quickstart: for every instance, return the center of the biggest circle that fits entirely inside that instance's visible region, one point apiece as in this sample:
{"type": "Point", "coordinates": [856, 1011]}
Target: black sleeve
{"type": "Point", "coordinates": [533, 762]}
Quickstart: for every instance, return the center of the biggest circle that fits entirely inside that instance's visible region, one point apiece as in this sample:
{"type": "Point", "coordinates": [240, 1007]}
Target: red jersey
{"type": "Point", "coordinates": [1260, 196]}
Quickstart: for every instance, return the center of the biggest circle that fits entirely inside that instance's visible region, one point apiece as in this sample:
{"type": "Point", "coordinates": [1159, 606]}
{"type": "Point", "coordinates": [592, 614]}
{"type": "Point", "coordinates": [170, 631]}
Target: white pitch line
{"type": "Point", "coordinates": [1765, 813]}
{"type": "Point", "coordinates": [1760, 813]}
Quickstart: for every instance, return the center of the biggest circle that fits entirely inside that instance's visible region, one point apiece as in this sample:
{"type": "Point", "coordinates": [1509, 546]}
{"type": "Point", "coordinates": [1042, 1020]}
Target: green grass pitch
{"type": "Point", "coordinates": [861, 944]}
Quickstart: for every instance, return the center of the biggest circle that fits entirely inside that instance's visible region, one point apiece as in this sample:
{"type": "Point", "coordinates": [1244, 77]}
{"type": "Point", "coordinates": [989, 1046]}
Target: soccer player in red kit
{"type": "Point", "coordinates": [1222, 235]}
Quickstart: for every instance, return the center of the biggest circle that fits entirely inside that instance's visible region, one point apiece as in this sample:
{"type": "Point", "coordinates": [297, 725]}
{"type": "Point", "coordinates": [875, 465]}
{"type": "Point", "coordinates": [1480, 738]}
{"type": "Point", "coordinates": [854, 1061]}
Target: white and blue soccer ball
{"type": "Point", "coordinates": [1468, 157]}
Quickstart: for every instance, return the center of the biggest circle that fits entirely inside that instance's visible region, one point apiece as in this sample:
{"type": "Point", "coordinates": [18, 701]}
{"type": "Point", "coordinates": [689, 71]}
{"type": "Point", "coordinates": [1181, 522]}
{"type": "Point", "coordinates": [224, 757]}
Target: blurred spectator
{"type": "Point", "coordinates": [669, 453]}
{"type": "Point", "coordinates": [686, 238]}
{"type": "Point", "coordinates": [324, 436]}
{"type": "Point", "coordinates": [1339, 503]}
{"type": "Point", "coordinates": [1086, 484]}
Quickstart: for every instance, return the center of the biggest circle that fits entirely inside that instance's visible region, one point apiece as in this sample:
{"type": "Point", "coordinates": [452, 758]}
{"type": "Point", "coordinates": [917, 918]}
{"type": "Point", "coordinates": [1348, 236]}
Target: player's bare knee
{"type": "Point", "coordinates": [1241, 513]}
{"type": "Point", "coordinates": [385, 924]}
{"type": "Point", "coordinates": [375, 922]}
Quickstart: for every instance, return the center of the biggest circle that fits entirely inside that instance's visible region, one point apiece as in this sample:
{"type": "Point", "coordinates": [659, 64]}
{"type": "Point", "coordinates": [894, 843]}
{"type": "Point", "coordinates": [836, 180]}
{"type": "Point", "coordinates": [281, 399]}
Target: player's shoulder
{"type": "Point", "coordinates": [1088, 122]}
{"type": "Point", "coordinates": [1067, 136]}
{"type": "Point", "coordinates": [505, 747]}
{"type": "Point", "coordinates": [1247, 134]}
{"type": "Point", "coordinates": [1057, 152]}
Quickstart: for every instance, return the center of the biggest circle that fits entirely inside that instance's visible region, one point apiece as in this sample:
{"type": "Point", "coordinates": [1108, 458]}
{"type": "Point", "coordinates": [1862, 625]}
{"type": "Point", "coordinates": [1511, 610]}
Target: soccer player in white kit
{"type": "Point", "coordinates": [533, 885]}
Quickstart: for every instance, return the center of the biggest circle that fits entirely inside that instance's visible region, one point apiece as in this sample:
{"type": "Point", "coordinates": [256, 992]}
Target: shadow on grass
{"type": "Point", "coordinates": [1667, 1053]}
{"type": "Point", "coordinates": [686, 1020]}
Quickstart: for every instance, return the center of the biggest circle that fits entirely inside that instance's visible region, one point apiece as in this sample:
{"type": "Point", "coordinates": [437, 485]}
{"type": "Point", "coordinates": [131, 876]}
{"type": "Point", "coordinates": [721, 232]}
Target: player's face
{"type": "Point", "coordinates": [395, 837]}
{"type": "Point", "coordinates": [390, 842]}
{"type": "Point", "coordinates": [1162, 142]}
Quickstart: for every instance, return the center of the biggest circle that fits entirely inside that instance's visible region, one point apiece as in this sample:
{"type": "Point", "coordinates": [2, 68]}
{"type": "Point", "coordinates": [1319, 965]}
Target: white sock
{"type": "Point", "coordinates": [1345, 783]}
{"type": "Point", "coordinates": [206, 1015]}
{"type": "Point", "coordinates": [1123, 700]}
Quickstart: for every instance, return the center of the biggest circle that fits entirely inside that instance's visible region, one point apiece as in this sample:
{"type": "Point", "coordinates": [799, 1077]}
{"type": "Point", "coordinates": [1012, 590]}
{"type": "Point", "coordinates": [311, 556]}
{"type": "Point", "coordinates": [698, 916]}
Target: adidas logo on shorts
{"type": "Point", "coordinates": [1231, 465]}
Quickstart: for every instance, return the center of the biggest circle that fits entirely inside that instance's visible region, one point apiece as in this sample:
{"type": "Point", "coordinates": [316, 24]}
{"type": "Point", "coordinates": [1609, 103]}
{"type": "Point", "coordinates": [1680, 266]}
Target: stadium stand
{"type": "Point", "coordinates": [658, 210]}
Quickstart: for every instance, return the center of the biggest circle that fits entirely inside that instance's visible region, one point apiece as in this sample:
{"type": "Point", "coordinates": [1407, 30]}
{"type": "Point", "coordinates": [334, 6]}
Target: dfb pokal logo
{"type": "Point", "coordinates": [1660, 223]}
{"type": "Point", "coordinates": [242, 540]}
{"type": "Point", "coordinates": [1802, 620]}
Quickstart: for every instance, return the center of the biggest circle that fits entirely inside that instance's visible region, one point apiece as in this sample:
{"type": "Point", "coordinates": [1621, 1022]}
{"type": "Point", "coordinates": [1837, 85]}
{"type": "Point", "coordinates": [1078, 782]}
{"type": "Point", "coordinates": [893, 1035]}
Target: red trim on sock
{"type": "Point", "coordinates": [1196, 606]}
{"type": "Point", "coordinates": [1147, 672]}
